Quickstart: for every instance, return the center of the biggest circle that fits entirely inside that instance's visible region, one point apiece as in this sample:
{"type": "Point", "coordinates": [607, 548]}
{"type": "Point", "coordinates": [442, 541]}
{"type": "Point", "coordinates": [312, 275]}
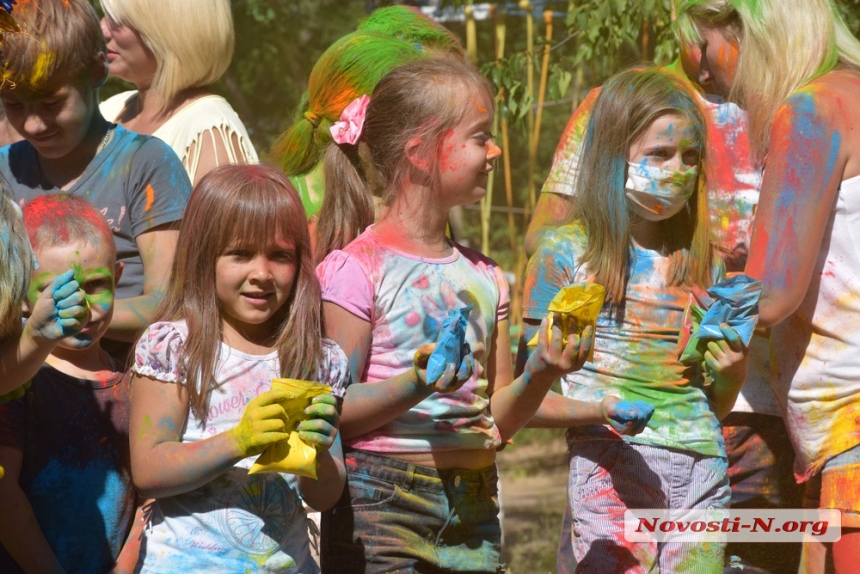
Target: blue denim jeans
{"type": "Point", "coordinates": [395, 516]}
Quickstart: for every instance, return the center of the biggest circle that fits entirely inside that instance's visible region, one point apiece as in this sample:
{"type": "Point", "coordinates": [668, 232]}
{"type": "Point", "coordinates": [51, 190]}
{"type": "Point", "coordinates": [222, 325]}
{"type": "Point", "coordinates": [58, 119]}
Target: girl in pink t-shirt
{"type": "Point", "coordinates": [422, 484]}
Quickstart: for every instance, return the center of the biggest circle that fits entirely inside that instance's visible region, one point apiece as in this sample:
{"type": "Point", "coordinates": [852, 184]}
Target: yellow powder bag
{"type": "Point", "coordinates": [579, 305]}
{"type": "Point", "coordinates": [292, 455]}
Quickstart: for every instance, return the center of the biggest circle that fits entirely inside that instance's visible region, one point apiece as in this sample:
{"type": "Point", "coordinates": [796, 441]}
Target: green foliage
{"type": "Point", "coordinates": [508, 75]}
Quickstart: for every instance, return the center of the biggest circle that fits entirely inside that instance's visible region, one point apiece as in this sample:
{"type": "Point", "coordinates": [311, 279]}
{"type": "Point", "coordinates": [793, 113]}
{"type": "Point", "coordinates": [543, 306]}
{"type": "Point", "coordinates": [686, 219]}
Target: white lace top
{"type": "Point", "coordinates": [209, 116]}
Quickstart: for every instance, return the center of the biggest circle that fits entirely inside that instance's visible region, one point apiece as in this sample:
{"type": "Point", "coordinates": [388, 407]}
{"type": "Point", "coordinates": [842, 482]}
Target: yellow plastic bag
{"type": "Point", "coordinates": [292, 455]}
{"type": "Point", "coordinates": [579, 305]}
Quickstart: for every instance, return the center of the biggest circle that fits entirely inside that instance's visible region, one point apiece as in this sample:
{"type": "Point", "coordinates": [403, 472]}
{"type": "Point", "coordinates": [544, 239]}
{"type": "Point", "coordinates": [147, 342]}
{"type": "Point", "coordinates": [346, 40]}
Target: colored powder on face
{"type": "Point", "coordinates": [104, 296]}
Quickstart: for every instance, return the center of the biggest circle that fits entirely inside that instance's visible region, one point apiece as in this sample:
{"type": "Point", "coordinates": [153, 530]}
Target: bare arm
{"type": "Point", "coordinates": [58, 312]}
{"type": "Point", "coordinates": [514, 402]}
{"type": "Point", "coordinates": [20, 532]}
{"type": "Point", "coordinates": [213, 153]}
{"type": "Point", "coordinates": [161, 464]}
{"type": "Point", "coordinates": [126, 562]}
{"type": "Point", "coordinates": [322, 493]}
{"type": "Point", "coordinates": [366, 407]}
{"type": "Point", "coordinates": [557, 411]}
{"type": "Point", "coordinates": [726, 363]}
{"type": "Point", "coordinates": [320, 429]}
{"type": "Point", "coordinates": [131, 316]}
{"type": "Point", "coordinates": [806, 162]}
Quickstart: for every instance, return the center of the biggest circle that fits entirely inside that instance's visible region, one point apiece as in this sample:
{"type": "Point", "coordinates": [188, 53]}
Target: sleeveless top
{"type": "Point", "coordinates": [209, 116]}
{"type": "Point", "coordinates": [817, 366]}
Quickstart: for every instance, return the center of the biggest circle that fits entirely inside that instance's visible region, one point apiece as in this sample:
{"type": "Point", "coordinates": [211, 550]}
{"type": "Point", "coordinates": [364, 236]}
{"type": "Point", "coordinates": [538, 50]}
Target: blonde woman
{"type": "Point", "coordinates": [172, 52]}
{"type": "Point", "coordinates": [796, 68]}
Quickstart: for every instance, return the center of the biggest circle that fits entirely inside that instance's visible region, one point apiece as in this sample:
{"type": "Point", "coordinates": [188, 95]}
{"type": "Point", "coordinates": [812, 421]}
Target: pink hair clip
{"type": "Point", "coordinates": [348, 129]}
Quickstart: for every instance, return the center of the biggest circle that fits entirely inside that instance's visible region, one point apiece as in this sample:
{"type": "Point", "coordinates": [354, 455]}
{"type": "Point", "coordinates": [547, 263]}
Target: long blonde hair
{"type": "Point", "coordinates": [627, 105]}
{"type": "Point", "coordinates": [784, 45]}
{"type": "Point", "coordinates": [250, 204]}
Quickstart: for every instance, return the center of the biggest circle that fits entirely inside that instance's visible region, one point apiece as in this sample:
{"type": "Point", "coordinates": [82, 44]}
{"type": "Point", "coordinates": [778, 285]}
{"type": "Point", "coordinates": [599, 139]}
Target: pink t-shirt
{"type": "Point", "coordinates": [405, 298]}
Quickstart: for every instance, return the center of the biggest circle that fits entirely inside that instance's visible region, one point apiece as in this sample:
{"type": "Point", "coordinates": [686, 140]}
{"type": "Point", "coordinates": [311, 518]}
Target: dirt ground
{"type": "Point", "coordinates": [534, 480]}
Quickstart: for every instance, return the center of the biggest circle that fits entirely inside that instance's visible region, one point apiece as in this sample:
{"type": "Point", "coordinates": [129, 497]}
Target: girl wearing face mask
{"type": "Point", "coordinates": [639, 227]}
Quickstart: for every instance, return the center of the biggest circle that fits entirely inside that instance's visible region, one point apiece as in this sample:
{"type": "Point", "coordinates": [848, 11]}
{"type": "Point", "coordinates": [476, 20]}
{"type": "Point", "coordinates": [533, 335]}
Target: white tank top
{"type": "Point", "coordinates": [817, 359]}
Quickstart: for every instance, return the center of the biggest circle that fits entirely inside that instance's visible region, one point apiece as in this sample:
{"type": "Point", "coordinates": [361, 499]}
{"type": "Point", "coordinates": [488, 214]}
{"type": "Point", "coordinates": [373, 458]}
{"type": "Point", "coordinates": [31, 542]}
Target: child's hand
{"type": "Point", "coordinates": [61, 310]}
{"type": "Point", "coordinates": [264, 422]}
{"type": "Point", "coordinates": [626, 417]}
{"type": "Point", "coordinates": [454, 377]}
{"type": "Point", "coordinates": [551, 360]}
{"type": "Point", "coordinates": [725, 361]}
{"type": "Point", "coordinates": [320, 428]}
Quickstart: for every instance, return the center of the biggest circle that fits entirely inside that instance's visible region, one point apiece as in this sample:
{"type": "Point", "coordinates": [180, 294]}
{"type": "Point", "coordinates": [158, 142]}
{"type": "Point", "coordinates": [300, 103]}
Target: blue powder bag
{"type": "Point", "coordinates": [733, 301]}
{"type": "Point", "coordinates": [449, 344]}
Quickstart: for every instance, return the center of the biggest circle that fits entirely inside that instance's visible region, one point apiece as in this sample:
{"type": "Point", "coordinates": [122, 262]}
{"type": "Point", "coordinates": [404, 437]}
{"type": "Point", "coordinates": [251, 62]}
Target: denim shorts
{"type": "Point", "coordinates": [395, 516]}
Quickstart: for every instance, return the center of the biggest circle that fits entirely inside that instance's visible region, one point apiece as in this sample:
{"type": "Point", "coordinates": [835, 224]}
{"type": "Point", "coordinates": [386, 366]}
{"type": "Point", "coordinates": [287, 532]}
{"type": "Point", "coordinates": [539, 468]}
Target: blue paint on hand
{"type": "Point", "coordinates": [449, 345]}
{"type": "Point", "coordinates": [636, 412]}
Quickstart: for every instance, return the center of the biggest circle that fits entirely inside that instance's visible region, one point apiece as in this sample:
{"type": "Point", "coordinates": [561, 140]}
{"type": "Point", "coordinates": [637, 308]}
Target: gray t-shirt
{"type": "Point", "coordinates": [136, 181]}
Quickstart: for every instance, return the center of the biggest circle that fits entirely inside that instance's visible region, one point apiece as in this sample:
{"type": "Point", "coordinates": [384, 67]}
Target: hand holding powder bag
{"type": "Point", "coordinates": [293, 455]}
{"type": "Point", "coordinates": [450, 345]}
{"type": "Point", "coordinates": [577, 307]}
{"type": "Point", "coordinates": [733, 301]}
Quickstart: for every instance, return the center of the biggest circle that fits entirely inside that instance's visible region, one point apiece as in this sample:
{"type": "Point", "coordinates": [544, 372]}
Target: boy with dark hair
{"type": "Point", "coordinates": [67, 500]}
{"type": "Point", "coordinates": [52, 70]}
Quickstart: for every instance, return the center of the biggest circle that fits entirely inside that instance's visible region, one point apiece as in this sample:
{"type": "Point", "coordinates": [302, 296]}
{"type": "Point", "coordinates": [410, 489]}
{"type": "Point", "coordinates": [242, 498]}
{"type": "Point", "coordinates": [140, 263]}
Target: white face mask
{"type": "Point", "coordinates": [655, 193]}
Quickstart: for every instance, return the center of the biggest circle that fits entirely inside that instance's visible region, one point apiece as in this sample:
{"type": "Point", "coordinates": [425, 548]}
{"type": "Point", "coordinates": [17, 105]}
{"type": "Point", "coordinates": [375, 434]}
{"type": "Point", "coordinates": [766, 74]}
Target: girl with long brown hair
{"type": "Point", "coordinates": [242, 307]}
{"type": "Point", "coordinates": [639, 227]}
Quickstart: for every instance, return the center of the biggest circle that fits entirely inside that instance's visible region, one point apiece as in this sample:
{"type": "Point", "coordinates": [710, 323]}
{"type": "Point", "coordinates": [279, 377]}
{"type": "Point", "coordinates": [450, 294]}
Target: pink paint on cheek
{"type": "Point", "coordinates": [412, 319]}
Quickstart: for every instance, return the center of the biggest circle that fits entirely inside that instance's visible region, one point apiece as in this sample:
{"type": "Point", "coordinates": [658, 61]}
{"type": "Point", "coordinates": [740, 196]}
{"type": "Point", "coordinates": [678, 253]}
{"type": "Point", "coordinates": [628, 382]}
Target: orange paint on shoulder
{"type": "Point", "coordinates": [150, 197]}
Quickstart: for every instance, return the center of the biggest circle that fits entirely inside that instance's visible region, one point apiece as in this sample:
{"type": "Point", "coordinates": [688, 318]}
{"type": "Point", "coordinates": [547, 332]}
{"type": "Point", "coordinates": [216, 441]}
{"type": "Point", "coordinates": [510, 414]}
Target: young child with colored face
{"type": "Point", "coordinates": [422, 483]}
{"type": "Point", "coordinates": [53, 68]}
{"type": "Point", "coordinates": [67, 500]}
{"type": "Point", "coordinates": [58, 312]}
{"type": "Point", "coordinates": [242, 308]}
{"type": "Point", "coordinates": [640, 228]}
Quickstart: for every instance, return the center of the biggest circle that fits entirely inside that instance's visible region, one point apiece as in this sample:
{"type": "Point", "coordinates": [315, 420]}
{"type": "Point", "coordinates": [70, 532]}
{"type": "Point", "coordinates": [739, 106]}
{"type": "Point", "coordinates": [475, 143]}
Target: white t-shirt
{"type": "Point", "coordinates": [237, 522]}
{"type": "Point", "coordinates": [635, 351]}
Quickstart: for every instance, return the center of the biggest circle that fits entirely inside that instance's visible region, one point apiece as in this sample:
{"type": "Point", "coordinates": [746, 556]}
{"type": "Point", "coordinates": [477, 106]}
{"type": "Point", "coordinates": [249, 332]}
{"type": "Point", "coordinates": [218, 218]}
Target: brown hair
{"type": "Point", "coordinates": [250, 204]}
{"type": "Point", "coordinates": [420, 101]}
{"type": "Point", "coordinates": [627, 105]}
{"type": "Point", "coordinates": [56, 38]}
